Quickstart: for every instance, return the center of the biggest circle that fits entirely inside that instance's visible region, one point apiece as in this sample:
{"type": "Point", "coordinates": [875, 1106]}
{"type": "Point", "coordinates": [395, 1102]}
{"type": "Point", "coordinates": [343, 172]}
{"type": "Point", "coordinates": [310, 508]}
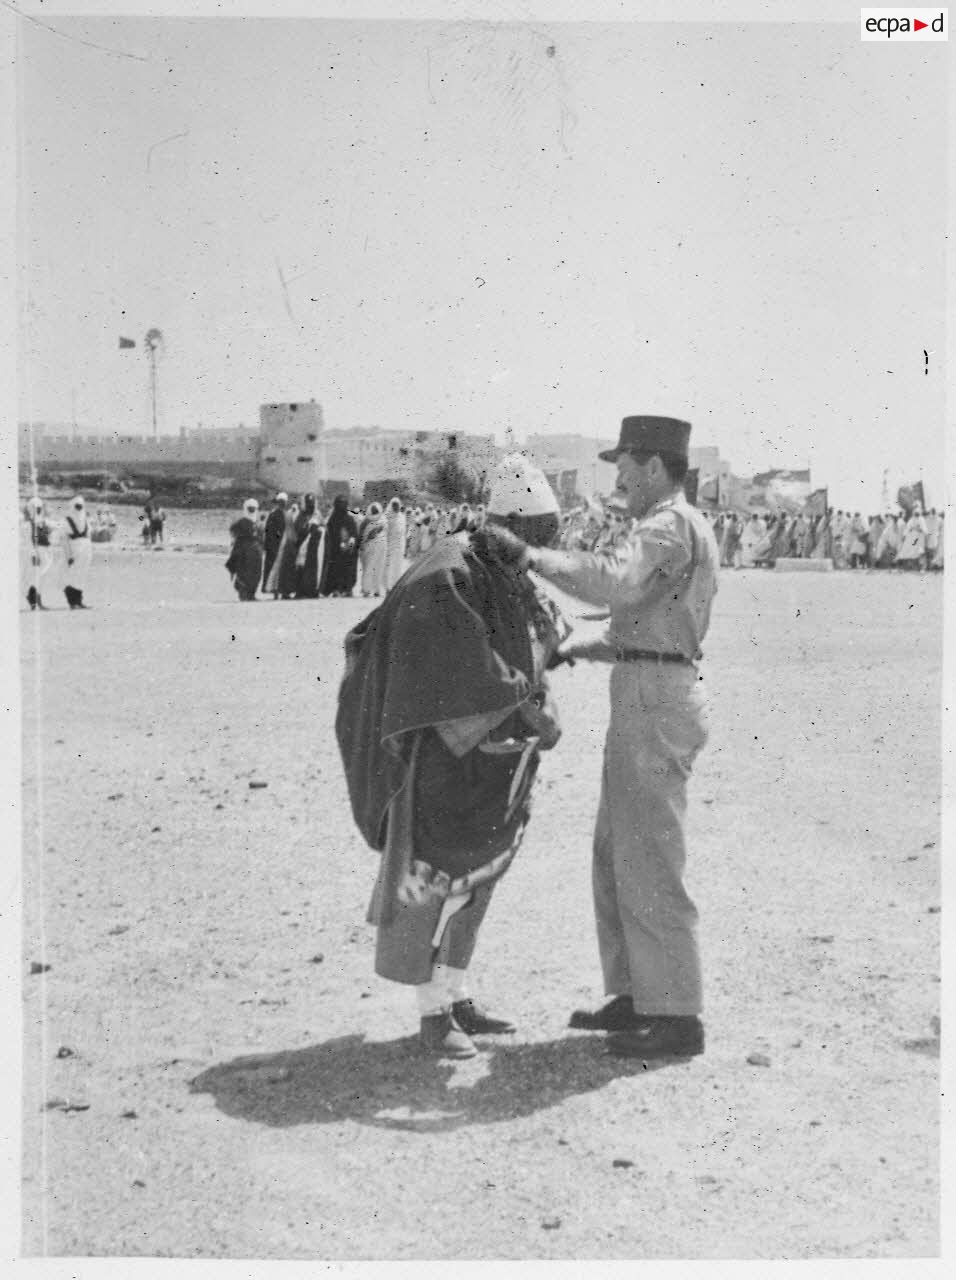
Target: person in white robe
{"type": "Point", "coordinates": [36, 554]}
{"type": "Point", "coordinates": [889, 544]}
{"type": "Point", "coordinates": [372, 552]}
{"type": "Point", "coordinates": [413, 536]}
{"type": "Point", "coordinates": [394, 543]}
{"type": "Point", "coordinates": [754, 532]}
{"type": "Point", "coordinates": [912, 552]}
{"type": "Point", "coordinates": [78, 549]}
{"type": "Point", "coordinates": [426, 531]}
{"type": "Point", "coordinates": [873, 535]}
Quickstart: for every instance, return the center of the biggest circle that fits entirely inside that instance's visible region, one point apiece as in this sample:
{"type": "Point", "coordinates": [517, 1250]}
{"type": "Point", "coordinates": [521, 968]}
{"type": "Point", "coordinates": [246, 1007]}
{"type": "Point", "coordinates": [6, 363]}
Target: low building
{"type": "Point", "coordinates": [230, 453]}
{"type": "Point", "coordinates": [299, 455]}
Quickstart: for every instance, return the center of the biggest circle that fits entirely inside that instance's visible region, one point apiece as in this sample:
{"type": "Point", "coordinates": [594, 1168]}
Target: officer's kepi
{"type": "Point", "coordinates": [647, 434]}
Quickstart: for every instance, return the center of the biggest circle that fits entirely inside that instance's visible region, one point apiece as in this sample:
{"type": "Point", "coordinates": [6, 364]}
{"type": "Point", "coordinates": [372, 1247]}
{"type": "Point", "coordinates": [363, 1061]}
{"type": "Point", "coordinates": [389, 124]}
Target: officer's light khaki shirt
{"type": "Point", "coordinates": [659, 587]}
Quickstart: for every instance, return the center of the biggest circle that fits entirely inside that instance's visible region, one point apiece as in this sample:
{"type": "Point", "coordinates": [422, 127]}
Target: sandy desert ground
{"type": "Point", "coordinates": [212, 1070]}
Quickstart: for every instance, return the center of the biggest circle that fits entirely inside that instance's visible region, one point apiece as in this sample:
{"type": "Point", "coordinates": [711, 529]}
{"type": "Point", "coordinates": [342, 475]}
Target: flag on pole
{"type": "Point", "coordinates": [908, 495]}
{"type": "Point", "coordinates": [816, 503]}
{"type": "Point", "coordinates": [780, 491]}
{"type": "Point", "coordinates": [126, 344]}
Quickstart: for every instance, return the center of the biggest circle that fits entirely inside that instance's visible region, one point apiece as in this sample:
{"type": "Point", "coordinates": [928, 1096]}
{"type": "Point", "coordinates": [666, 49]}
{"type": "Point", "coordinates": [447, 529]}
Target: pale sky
{"type": "Point", "coordinates": [541, 225]}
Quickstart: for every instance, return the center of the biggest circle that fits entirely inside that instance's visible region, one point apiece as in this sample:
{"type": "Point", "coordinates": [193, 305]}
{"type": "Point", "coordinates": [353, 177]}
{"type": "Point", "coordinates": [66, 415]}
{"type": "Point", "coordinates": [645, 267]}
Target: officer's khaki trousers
{"type": "Point", "coordinates": [646, 923]}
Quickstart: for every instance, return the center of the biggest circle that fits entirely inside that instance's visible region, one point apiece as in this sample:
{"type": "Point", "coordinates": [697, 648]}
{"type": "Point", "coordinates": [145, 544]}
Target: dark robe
{"type": "Point", "coordinates": [300, 525]}
{"type": "Point", "coordinates": [281, 580]}
{"type": "Point", "coordinates": [455, 638]}
{"type": "Point", "coordinates": [780, 543]}
{"type": "Point", "coordinates": [307, 573]}
{"type": "Point", "coordinates": [459, 639]}
{"type": "Point", "coordinates": [272, 540]}
{"type": "Point", "coordinates": [245, 559]}
{"type": "Point", "coordinates": [340, 560]}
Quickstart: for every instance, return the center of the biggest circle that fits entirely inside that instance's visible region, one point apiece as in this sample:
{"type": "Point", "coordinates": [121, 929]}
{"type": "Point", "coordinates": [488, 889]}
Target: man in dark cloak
{"type": "Point", "coordinates": [442, 715]}
{"type": "Point", "coordinates": [244, 565]}
{"type": "Point", "coordinates": [309, 538]}
{"type": "Point", "coordinates": [340, 565]}
{"type": "Point", "coordinates": [272, 536]}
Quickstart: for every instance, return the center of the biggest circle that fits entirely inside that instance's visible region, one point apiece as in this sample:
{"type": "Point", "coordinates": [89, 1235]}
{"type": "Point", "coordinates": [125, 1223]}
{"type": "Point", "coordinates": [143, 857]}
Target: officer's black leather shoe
{"type": "Point", "coordinates": [659, 1037]}
{"type": "Point", "coordinates": [474, 1020]}
{"type": "Point", "coordinates": [617, 1015]}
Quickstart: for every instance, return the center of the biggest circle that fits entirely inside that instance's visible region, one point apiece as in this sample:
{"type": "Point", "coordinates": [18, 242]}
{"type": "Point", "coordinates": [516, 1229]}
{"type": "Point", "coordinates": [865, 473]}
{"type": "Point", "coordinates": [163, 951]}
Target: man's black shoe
{"type": "Point", "coordinates": [659, 1037]}
{"type": "Point", "coordinates": [474, 1021]}
{"type": "Point", "coordinates": [617, 1015]}
{"type": "Point", "coordinates": [441, 1035]}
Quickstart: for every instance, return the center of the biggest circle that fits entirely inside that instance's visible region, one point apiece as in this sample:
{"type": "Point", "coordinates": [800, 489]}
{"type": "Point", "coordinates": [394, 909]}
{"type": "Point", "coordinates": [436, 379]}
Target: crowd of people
{"type": "Point", "coordinates": [296, 552]}
{"type": "Point", "coordinates": [893, 541]}
{"type": "Point", "coordinates": [896, 540]}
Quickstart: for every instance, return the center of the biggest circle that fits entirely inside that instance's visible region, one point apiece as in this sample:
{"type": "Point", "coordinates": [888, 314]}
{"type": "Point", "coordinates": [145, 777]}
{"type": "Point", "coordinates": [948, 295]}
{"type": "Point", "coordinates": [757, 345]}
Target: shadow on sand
{"type": "Point", "coordinates": [391, 1084]}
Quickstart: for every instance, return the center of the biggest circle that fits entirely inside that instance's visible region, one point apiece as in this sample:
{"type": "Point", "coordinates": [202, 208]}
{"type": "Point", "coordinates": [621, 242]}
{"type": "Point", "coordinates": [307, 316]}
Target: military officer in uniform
{"type": "Point", "coordinates": [658, 586]}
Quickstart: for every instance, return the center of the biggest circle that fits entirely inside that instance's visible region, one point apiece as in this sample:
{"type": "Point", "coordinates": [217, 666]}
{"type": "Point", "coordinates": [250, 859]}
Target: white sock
{"type": "Point", "coordinates": [432, 998]}
{"type": "Point", "coordinates": [446, 986]}
{"type": "Point", "coordinates": [455, 980]}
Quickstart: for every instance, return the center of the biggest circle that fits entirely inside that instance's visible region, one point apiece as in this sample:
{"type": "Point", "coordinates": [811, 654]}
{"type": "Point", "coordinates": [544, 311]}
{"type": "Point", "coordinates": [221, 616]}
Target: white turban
{"type": "Point", "coordinates": [250, 506]}
{"type": "Point", "coordinates": [519, 487]}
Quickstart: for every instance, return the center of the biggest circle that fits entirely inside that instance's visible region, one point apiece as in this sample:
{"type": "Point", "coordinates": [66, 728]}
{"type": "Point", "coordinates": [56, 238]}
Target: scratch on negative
{"type": "Point", "coordinates": [162, 143]}
{"type": "Point", "coordinates": [285, 293]}
{"type": "Point", "coordinates": [90, 44]}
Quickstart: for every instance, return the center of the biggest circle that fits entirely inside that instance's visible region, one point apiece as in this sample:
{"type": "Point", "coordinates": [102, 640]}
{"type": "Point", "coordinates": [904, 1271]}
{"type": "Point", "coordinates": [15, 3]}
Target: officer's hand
{"type": "Point", "coordinates": [501, 544]}
{"type": "Point", "coordinates": [541, 715]}
{"type": "Point", "coordinates": [559, 658]}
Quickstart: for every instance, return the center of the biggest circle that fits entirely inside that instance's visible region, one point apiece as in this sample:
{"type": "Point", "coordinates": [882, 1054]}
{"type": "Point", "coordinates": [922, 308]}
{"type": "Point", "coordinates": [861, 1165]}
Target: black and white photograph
{"type": "Point", "coordinates": [548, 867]}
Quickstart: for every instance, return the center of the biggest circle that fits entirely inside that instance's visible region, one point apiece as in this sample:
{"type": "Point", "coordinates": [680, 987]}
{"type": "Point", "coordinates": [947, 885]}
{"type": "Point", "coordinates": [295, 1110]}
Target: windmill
{"type": "Point", "coordinates": [154, 344]}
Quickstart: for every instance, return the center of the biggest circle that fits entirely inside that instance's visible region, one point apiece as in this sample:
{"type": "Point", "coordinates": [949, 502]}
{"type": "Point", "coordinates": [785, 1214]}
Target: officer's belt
{"type": "Point", "coordinates": [641, 655]}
